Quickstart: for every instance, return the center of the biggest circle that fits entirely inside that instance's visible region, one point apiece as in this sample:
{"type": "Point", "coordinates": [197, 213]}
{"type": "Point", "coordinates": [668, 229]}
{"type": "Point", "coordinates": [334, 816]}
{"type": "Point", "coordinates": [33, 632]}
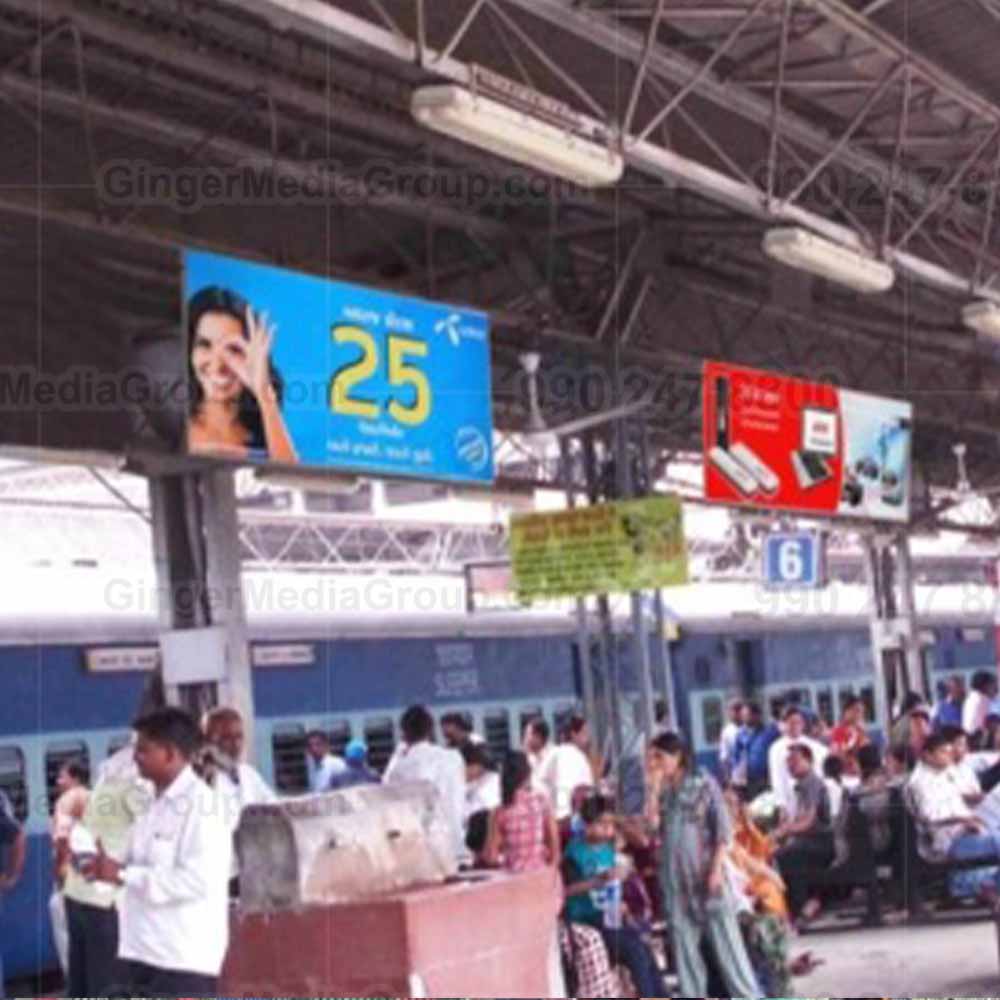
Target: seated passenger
{"type": "Point", "coordinates": [874, 797]}
{"type": "Point", "coordinates": [764, 912]}
{"type": "Point", "coordinates": [782, 780]}
{"type": "Point", "coordinates": [962, 771]}
{"type": "Point", "coordinates": [807, 839]}
{"type": "Point", "coordinates": [850, 736]}
{"type": "Point", "coordinates": [752, 852]}
{"type": "Point", "coordinates": [358, 772]}
{"type": "Point", "coordinates": [949, 828]}
{"type": "Point", "coordinates": [594, 895]}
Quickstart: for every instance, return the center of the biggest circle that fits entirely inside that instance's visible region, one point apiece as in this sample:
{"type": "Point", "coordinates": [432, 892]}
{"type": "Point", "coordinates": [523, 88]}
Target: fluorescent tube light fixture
{"type": "Point", "coordinates": [516, 134]}
{"type": "Point", "coordinates": [806, 251]}
{"type": "Point", "coordinates": [984, 318]}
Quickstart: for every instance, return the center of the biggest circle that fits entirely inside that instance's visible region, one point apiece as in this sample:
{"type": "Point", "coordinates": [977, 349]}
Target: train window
{"type": "Point", "coordinates": [340, 736]}
{"type": "Point", "coordinates": [497, 725]}
{"type": "Point", "coordinates": [381, 739]}
{"type": "Point", "coordinates": [58, 754]}
{"type": "Point", "coordinates": [824, 705]}
{"type": "Point", "coordinates": [712, 719]}
{"type": "Point", "coordinates": [13, 780]}
{"type": "Point", "coordinates": [117, 743]}
{"type": "Point", "coordinates": [288, 748]}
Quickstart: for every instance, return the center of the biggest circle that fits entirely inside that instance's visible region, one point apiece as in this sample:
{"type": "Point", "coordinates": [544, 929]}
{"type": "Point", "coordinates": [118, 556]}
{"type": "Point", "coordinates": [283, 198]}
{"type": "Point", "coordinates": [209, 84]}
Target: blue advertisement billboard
{"type": "Point", "coordinates": [292, 369]}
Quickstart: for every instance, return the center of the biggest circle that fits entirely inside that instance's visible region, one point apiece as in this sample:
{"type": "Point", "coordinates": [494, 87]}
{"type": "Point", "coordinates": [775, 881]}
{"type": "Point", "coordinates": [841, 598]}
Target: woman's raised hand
{"type": "Point", "coordinates": [254, 371]}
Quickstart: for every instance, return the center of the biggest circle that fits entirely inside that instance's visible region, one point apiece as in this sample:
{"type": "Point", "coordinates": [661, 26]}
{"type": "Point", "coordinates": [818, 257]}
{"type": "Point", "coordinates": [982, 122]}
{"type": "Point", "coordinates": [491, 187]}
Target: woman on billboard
{"type": "Point", "coordinates": [236, 392]}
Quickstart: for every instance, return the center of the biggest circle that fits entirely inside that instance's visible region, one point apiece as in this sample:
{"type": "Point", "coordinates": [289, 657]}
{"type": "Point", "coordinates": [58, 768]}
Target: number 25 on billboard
{"type": "Point", "coordinates": [346, 394]}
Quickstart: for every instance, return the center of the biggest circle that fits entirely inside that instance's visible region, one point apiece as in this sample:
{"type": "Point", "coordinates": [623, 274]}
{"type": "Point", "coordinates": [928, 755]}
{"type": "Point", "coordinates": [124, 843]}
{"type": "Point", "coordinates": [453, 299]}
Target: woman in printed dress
{"type": "Point", "coordinates": [686, 805]}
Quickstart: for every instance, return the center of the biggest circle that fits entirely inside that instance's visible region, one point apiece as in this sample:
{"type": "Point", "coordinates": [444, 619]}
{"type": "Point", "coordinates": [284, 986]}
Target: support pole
{"type": "Point", "coordinates": [908, 617]}
{"type": "Point", "coordinates": [582, 626]}
{"type": "Point", "coordinates": [197, 558]}
{"type": "Point", "coordinates": [877, 622]}
{"type": "Point", "coordinates": [664, 660]}
{"type": "Point", "coordinates": [225, 592]}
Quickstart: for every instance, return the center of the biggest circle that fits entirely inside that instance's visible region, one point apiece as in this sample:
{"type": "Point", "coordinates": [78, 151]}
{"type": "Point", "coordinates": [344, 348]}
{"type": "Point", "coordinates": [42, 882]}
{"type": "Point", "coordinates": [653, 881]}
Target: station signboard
{"type": "Point", "coordinates": [609, 548]}
{"type": "Point", "coordinates": [294, 370]}
{"type": "Point", "coordinates": [780, 443]}
{"type": "Point", "coordinates": [794, 560]}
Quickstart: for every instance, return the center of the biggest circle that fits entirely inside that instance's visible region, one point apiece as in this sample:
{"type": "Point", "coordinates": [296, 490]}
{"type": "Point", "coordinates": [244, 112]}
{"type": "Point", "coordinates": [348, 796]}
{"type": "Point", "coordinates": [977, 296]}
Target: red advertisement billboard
{"type": "Point", "coordinates": [780, 443]}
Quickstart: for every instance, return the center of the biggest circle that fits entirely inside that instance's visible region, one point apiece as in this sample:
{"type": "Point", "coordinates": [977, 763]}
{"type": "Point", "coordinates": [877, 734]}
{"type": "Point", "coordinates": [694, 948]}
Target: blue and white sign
{"type": "Point", "coordinates": [292, 369]}
{"type": "Point", "coordinates": [795, 559]}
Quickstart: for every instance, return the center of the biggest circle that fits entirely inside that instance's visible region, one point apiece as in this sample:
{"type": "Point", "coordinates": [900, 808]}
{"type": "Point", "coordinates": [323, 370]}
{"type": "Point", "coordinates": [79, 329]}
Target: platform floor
{"type": "Point", "coordinates": [953, 957]}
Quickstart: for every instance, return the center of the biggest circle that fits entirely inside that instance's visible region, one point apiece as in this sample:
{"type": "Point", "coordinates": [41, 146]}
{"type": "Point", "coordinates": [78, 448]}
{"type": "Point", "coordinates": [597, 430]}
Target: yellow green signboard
{"type": "Point", "coordinates": [605, 549]}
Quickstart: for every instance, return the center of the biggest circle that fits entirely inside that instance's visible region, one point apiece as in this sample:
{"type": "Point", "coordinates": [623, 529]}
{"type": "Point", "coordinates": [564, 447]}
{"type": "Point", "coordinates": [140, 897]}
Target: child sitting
{"type": "Point", "coordinates": [594, 895]}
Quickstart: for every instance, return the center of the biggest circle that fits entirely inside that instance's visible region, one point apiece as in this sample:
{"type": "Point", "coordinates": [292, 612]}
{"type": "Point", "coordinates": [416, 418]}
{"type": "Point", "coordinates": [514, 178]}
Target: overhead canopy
{"type": "Point", "coordinates": [877, 122]}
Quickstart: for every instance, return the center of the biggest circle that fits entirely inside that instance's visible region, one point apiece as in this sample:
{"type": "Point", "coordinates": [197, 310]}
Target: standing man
{"type": "Point", "coordinates": [358, 772]}
{"type": "Point", "coordinates": [240, 784]}
{"type": "Point", "coordinates": [782, 780]}
{"type": "Point", "coordinates": [751, 756]}
{"type": "Point", "coordinates": [120, 796]}
{"type": "Point", "coordinates": [175, 908]}
{"type": "Point", "coordinates": [457, 731]}
{"type": "Point", "coordinates": [727, 741]}
{"type": "Point", "coordinates": [321, 765]}
{"type": "Point", "coordinates": [535, 744]}
{"type": "Point", "coordinates": [949, 710]}
{"type": "Point", "coordinates": [236, 784]}
{"type": "Point", "coordinates": [13, 849]}
{"type": "Point", "coordinates": [418, 759]}
{"type": "Point", "coordinates": [569, 767]}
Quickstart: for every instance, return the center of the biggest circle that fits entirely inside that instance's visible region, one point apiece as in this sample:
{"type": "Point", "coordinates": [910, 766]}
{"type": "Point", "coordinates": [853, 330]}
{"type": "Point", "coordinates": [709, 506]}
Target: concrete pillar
{"type": "Point", "coordinates": [223, 575]}
{"type": "Point", "coordinates": [197, 558]}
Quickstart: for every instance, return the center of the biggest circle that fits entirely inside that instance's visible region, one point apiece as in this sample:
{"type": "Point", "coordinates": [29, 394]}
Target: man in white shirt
{"type": "Point", "coordinates": [536, 747]}
{"type": "Point", "coordinates": [174, 920]}
{"type": "Point", "coordinates": [417, 759]}
{"type": "Point", "coordinates": [236, 784]}
{"type": "Point", "coordinates": [321, 765]}
{"type": "Point", "coordinates": [950, 828]}
{"type": "Point", "coordinates": [457, 731]}
{"type": "Point", "coordinates": [568, 768]}
{"type": "Point", "coordinates": [782, 781]}
{"type": "Point", "coordinates": [240, 784]}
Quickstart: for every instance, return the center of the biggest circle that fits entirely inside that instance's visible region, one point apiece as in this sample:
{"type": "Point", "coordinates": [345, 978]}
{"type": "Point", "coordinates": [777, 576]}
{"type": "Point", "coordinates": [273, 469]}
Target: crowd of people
{"type": "Point", "coordinates": [711, 877]}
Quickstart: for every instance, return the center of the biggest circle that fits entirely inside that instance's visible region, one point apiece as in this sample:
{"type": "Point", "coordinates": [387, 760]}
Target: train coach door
{"type": "Point", "coordinates": [746, 661]}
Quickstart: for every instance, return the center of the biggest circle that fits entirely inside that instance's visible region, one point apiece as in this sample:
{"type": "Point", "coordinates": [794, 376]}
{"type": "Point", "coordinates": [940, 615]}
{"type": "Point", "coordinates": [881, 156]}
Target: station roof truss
{"type": "Point", "coordinates": [876, 122]}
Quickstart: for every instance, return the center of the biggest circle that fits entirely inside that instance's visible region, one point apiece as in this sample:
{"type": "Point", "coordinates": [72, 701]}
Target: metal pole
{"type": "Point", "coordinates": [908, 617]}
{"type": "Point", "coordinates": [873, 578]}
{"type": "Point", "coordinates": [665, 660]}
{"type": "Point", "coordinates": [582, 625]}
